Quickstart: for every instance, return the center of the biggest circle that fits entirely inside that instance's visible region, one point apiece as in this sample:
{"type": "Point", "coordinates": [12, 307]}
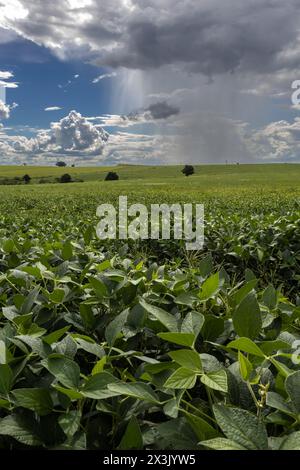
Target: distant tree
{"type": "Point", "coordinates": [66, 178]}
{"type": "Point", "coordinates": [26, 178]}
{"type": "Point", "coordinates": [188, 170]}
{"type": "Point", "coordinates": [60, 164]}
{"type": "Point", "coordinates": [111, 176]}
{"type": "Point", "coordinates": [73, 165]}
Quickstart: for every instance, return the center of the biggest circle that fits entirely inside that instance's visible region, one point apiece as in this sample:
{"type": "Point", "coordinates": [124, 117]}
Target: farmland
{"type": "Point", "coordinates": [143, 344]}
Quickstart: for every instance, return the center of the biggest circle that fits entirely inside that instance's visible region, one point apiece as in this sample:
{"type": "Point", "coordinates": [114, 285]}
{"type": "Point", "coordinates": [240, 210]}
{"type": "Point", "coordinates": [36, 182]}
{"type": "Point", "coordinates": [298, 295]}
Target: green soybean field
{"type": "Point", "coordinates": [124, 344]}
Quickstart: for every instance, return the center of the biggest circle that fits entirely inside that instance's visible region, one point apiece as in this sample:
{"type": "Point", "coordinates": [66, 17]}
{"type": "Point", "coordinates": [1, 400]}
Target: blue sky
{"type": "Point", "coordinates": [44, 81]}
{"type": "Point", "coordinates": [178, 82]}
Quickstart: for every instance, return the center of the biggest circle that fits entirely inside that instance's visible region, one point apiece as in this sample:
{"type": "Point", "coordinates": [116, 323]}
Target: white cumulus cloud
{"type": "Point", "coordinates": [73, 135]}
{"type": "Point", "coordinates": [277, 141]}
{"type": "Point", "coordinates": [5, 75]}
{"type": "Point", "coordinates": [4, 110]}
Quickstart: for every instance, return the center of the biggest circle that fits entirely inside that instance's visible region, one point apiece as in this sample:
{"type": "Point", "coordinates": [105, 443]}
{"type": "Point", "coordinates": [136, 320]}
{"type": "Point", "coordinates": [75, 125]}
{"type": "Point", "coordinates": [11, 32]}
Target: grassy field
{"type": "Point", "coordinates": [285, 174]}
{"type": "Point", "coordinates": [141, 344]}
{"type": "Point", "coordinates": [240, 186]}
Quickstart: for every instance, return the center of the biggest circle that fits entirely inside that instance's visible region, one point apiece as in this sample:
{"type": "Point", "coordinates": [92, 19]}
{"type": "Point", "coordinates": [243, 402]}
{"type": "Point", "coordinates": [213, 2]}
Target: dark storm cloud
{"type": "Point", "coordinates": [206, 36]}
{"type": "Point", "coordinates": [162, 110]}
{"type": "Point", "coordinates": [156, 111]}
{"type": "Point", "coordinates": [210, 37]}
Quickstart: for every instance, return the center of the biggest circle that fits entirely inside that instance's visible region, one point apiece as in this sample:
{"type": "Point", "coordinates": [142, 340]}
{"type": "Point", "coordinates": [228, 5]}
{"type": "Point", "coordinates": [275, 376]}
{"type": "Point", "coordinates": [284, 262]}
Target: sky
{"type": "Point", "coordinates": [103, 82]}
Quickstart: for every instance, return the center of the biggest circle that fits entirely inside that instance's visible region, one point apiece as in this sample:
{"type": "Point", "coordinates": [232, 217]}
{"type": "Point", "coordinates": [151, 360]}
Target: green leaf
{"type": "Point", "coordinates": [72, 394]}
{"type": "Point", "coordinates": [282, 368]}
{"type": "Point", "coordinates": [183, 339]}
{"type": "Point", "coordinates": [274, 400]}
{"type": "Point", "coordinates": [186, 298]}
{"type": "Point", "coordinates": [193, 323]}
{"type": "Point", "coordinates": [188, 359]}
{"type": "Point", "coordinates": [245, 366]}
{"type": "Point", "coordinates": [206, 265]}
{"type": "Point", "coordinates": [10, 312]}
{"type": "Point", "coordinates": [6, 379]}
{"type": "Point", "coordinates": [20, 429]}
{"type": "Point", "coordinates": [246, 345]}
{"type": "Point", "coordinates": [292, 442]}
{"type": "Point", "coordinates": [9, 245]}
{"type": "Point", "coordinates": [35, 399]}
{"type": "Point", "coordinates": [177, 434]}
{"type": "Point", "coordinates": [99, 366]}
{"type": "Point", "coordinates": [88, 318]}
{"type": "Point", "coordinates": [271, 347]}
{"type": "Point", "coordinates": [165, 318]}
{"type": "Point", "coordinates": [201, 428]}
{"type": "Point", "coordinates": [113, 330]}
{"type": "Point", "coordinates": [247, 318]}
{"type": "Point", "coordinates": [182, 378]}
{"type": "Point", "coordinates": [137, 317]}
{"type": "Point", "coordinates": [65, 370]}
{"type": "Point", "coordinates": [89, 346]}
{"type": "Point", "coordinates": [4, 404]}
{"type": "Point", "coordinates": [96, 386]}
{"type": "Point", "coordinates": [210, 363]}
{"type": "Point", "coordinates": [57, 296]}
{"type": "Point", "coordinates": [241, 293]}
{"type": "Point", "coordinates": [216, 380]}
{"type": "Point", "coordinates": [220, 443]}
{"type": "Point", "coordinates": [212, 328]}
{"type": "Point", "coordinates": [76, 442]}
{"type": "Point", "coordinates": [36, 344]}
{"type": "Point", "coordinates": [70, 422]}
{"type": "Point", "coordinates": [132, 438]}
{"type": "Point", "coordinates": [67, 347]}
{"type": "Point", "coordinates": [210, 287]}
{"type": "Point", "coordinates": [30, 300]}
{"type": "Point", "coordinates": [67, 251]}
{"type": "Point", "coordinates": [137, 390]}
{"type": "Point", "coordinates": [171, 408]}
{"type": "Point", "coordinates": [292, 386]}
{"type": "Point", "coordinates": [98, 286]}
{"type": "Point", "coordinates": [270, 297]}
{"type": "Point", "coordinates": [158, 367]}
{"type": "Point", "coordinates": [55, 335]}
{"type": "Point", "coordinates": [242, 427]}
{"type": "Point", "coordinates": [104, 265]}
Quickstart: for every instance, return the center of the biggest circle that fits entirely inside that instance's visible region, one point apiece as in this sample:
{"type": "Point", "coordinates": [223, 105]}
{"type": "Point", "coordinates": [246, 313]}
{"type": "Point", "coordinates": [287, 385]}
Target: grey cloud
{"type": "Point", "coordinates": [162, 110]}
{"type": "Point", "coordinates": [156, 111]}
{"type": "Point", "coordinates": [210, 37]}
